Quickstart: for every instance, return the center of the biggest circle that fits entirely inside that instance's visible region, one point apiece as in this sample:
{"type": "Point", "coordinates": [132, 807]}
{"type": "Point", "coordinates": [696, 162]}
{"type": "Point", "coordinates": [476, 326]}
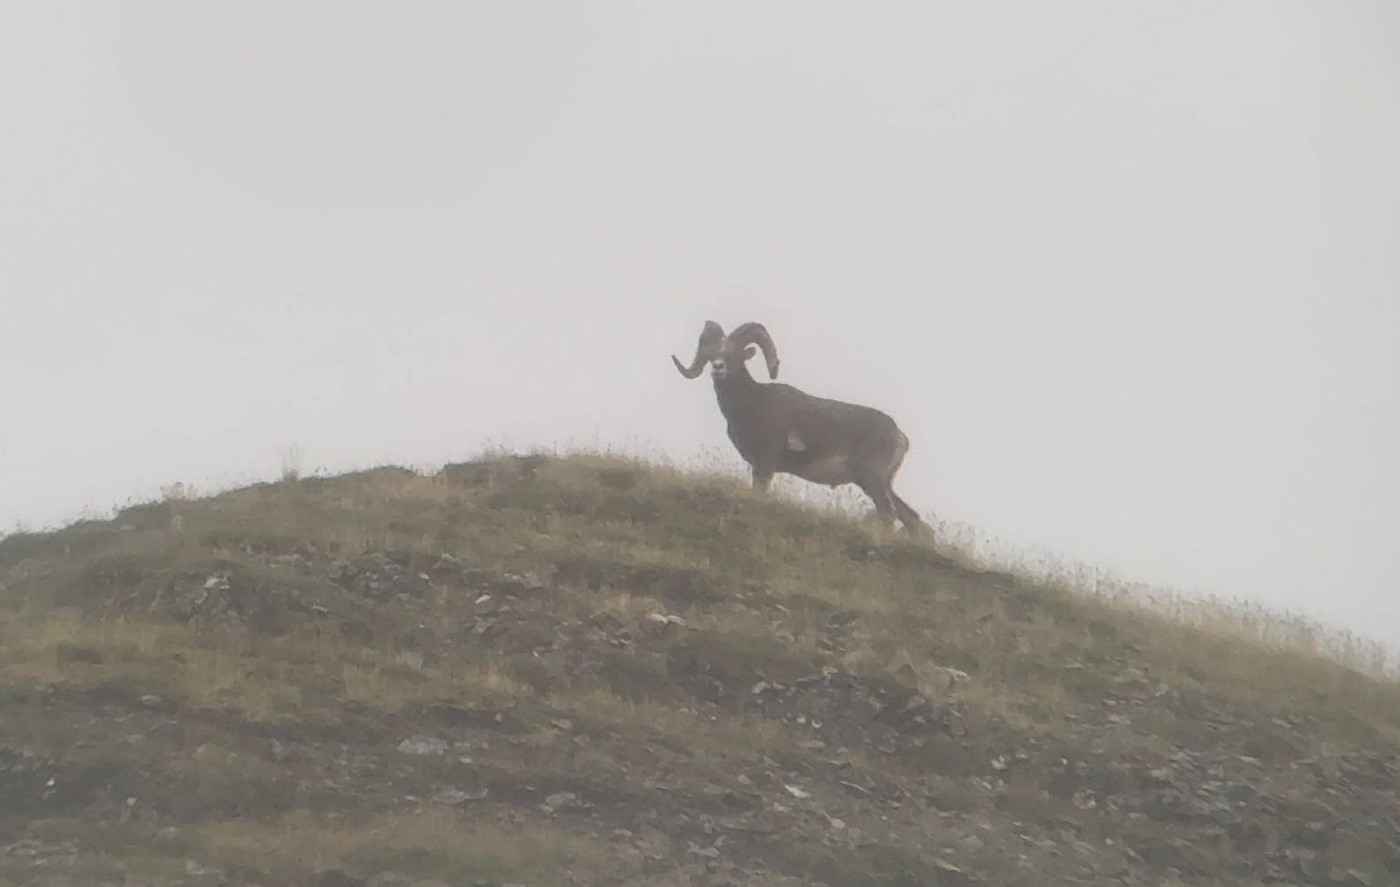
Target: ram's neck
{"type": "Point", "coordinates": [736, 391]}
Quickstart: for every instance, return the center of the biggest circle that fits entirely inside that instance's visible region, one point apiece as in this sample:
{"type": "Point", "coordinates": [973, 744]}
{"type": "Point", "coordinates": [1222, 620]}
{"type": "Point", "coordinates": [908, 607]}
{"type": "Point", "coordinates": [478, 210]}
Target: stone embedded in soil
{"type": "Point", "coordinates": [559, 801]}
{"type": "Point", "coordinates": [422, 745]}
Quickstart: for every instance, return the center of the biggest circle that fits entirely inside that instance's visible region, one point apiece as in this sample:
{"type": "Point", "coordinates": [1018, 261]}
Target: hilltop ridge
{"type": "Point", "coordinates": [590, 670]}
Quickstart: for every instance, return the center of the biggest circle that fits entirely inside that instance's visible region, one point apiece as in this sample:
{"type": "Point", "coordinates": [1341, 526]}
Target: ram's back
{"type": "Point", "coordinates": [827, 425]}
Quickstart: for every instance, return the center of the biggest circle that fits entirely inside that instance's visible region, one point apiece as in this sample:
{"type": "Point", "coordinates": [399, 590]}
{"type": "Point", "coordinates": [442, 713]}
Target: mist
{"type": "Point", "coordinates": [1125, 275]}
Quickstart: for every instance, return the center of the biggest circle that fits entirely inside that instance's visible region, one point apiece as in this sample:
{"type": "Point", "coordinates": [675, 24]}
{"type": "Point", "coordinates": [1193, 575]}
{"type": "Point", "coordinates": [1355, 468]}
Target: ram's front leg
{"type": "Point", "coordinates": [762, 477]}
{"type": "Point", "coordinates": [766, 462]}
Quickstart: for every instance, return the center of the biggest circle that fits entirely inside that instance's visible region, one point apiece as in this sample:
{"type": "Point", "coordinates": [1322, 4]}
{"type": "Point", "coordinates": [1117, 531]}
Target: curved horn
{"type": "Point", "coordinates": [757, 334]}
{"type": "Point", "coordinates": [710, 339]}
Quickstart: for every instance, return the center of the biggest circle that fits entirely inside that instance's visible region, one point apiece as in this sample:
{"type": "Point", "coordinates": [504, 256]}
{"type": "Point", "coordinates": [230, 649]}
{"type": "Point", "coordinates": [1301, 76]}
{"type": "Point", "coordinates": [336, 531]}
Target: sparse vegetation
{"type": "Point", "coordinates": [591, 670]}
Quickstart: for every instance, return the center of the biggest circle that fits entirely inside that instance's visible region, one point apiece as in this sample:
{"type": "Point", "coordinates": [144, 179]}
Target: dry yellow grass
{"type": "Point", "coordinates": [667, 649]}
{"type": "Point", "coordinates": [431, 843]}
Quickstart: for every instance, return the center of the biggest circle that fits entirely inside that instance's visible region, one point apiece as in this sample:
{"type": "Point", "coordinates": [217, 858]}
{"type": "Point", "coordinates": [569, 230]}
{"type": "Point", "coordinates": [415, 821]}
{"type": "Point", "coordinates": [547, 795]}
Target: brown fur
{"type": "Point", "coordinates": [779, 429]}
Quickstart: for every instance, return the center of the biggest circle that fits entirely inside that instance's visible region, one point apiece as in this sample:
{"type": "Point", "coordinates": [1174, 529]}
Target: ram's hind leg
{"type": "Point", "coordinates": [884, 499]}
{"type": "Point", "coordinates": [913, 524]}
{"type": "Point", "coordinates": [910, 518]}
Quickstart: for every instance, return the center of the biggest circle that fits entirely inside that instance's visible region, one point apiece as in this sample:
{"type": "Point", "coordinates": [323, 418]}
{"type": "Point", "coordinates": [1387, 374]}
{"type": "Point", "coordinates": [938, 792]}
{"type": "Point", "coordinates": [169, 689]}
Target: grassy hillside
{"type": "Point", "coordinates": [590, 671]}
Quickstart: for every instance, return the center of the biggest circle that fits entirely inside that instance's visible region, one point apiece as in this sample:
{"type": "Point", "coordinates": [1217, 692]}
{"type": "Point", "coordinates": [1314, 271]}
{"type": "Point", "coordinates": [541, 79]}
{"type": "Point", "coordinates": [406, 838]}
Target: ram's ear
{"type": "Point", "coordinates": [750, 352]}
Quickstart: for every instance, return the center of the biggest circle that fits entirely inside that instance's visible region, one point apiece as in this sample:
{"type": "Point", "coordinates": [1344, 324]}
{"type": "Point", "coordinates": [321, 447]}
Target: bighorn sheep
{"type": "Point", "coordinates": [777, 428]}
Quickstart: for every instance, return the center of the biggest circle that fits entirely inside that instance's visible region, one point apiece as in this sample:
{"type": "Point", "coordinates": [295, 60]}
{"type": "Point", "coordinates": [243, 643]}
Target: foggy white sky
{"type": "Point", "coordinates": [1125, 273]}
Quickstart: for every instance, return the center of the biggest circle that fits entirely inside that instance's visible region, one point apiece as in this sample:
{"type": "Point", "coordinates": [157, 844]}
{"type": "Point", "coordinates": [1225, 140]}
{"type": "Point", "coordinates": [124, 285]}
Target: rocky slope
{"type": "Point", "coordinates": [590, 671]}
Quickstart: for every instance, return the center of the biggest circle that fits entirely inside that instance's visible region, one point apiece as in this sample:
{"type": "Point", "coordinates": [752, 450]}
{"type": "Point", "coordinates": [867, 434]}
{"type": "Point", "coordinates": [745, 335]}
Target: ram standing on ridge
{"type": "Point", "coordinates": [777, 428]}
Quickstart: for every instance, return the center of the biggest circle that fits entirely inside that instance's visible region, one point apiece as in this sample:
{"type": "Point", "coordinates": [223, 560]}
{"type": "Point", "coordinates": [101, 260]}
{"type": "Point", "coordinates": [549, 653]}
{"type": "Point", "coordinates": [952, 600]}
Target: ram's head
{"type": "Point", "coordinates": [723, 352]}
